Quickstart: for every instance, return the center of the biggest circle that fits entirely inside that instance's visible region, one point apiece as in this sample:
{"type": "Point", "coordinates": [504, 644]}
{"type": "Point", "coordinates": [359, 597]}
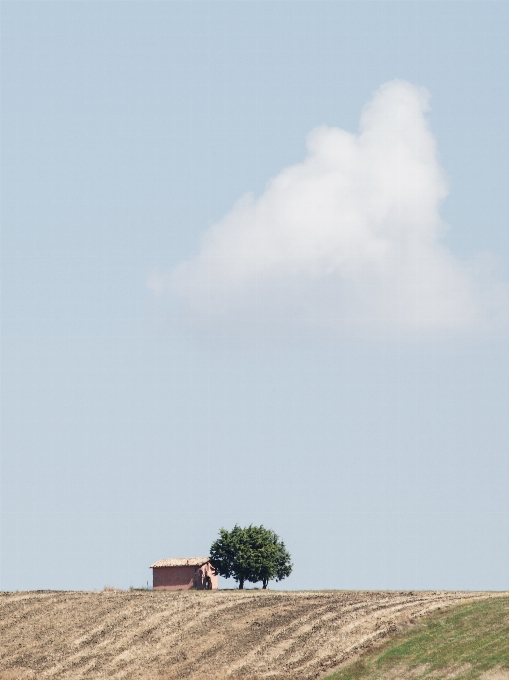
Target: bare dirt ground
{"type": "Point", "coordinates": [200, 635]}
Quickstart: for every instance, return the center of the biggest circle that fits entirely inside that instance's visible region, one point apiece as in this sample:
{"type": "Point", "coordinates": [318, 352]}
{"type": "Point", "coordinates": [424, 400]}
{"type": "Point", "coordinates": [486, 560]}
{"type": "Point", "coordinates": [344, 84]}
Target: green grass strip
{"type": "Point", "coordinates": [463, 642]}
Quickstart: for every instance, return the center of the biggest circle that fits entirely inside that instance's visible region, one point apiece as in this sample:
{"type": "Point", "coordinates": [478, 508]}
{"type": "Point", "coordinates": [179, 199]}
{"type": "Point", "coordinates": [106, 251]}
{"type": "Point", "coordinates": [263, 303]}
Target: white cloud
{"type": "Point", "coordinates": [349, 239]}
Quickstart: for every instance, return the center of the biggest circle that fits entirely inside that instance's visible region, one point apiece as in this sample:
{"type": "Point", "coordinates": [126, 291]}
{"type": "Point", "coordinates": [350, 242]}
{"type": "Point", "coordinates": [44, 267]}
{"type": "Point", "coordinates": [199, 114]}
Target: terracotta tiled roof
{"type": "Point", "coordinates": [181, 562]}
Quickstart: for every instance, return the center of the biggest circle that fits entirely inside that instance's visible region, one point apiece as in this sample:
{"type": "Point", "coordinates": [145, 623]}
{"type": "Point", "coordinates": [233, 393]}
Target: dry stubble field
{"type": "Point", "coordinates": [200, 635]}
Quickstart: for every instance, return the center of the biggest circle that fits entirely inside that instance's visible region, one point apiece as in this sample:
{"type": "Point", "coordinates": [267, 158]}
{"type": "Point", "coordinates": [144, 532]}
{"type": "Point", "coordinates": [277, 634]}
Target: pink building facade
{"type": "Point", "coordinates": [184, 573]}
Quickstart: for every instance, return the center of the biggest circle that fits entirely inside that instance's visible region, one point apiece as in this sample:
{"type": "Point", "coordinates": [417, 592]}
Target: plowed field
{"type": "Point", "coordinates": [199, 635]}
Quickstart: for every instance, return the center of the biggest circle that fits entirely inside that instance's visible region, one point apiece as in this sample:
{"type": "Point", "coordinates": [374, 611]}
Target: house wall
{"type": "Point", "coordinates": [173, 578]}
{"type": "Point", "coordinates": [184, 578]}
{"type": "Point", "coordinates": [206, 577]}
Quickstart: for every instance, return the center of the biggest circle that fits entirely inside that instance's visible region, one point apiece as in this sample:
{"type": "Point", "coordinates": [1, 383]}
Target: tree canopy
{"type": "Point", "coordinates": [251, 554]}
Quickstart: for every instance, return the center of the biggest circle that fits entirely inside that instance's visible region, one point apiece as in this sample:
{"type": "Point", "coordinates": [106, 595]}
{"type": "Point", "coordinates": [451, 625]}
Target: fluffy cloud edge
{"type": "Point", "coordinates": [349, 240]}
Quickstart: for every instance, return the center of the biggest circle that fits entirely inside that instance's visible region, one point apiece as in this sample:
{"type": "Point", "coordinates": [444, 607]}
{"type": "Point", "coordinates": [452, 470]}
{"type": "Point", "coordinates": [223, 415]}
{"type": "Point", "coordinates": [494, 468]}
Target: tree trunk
{"type": "Point", "coordinates": [241, 584]}
{"type": "Point", "coordinates": [265, 581]}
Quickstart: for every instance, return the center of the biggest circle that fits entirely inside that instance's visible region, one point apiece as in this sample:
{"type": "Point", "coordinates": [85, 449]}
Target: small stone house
{"type": "Point", "coordinates": [184, 573]}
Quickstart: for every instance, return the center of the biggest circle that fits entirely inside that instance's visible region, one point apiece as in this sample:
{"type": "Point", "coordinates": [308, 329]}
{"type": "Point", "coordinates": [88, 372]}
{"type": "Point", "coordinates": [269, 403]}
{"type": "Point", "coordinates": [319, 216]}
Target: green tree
{"type": "Point", "coordinates": [272, 559]}
{"type": "Point", "coordinates": [252, 554]}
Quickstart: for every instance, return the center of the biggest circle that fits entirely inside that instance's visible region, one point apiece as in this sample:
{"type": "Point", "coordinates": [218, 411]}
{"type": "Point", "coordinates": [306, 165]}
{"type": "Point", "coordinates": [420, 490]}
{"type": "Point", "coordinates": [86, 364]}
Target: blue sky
{"type": "Point", "coordinates": [156, 387]}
